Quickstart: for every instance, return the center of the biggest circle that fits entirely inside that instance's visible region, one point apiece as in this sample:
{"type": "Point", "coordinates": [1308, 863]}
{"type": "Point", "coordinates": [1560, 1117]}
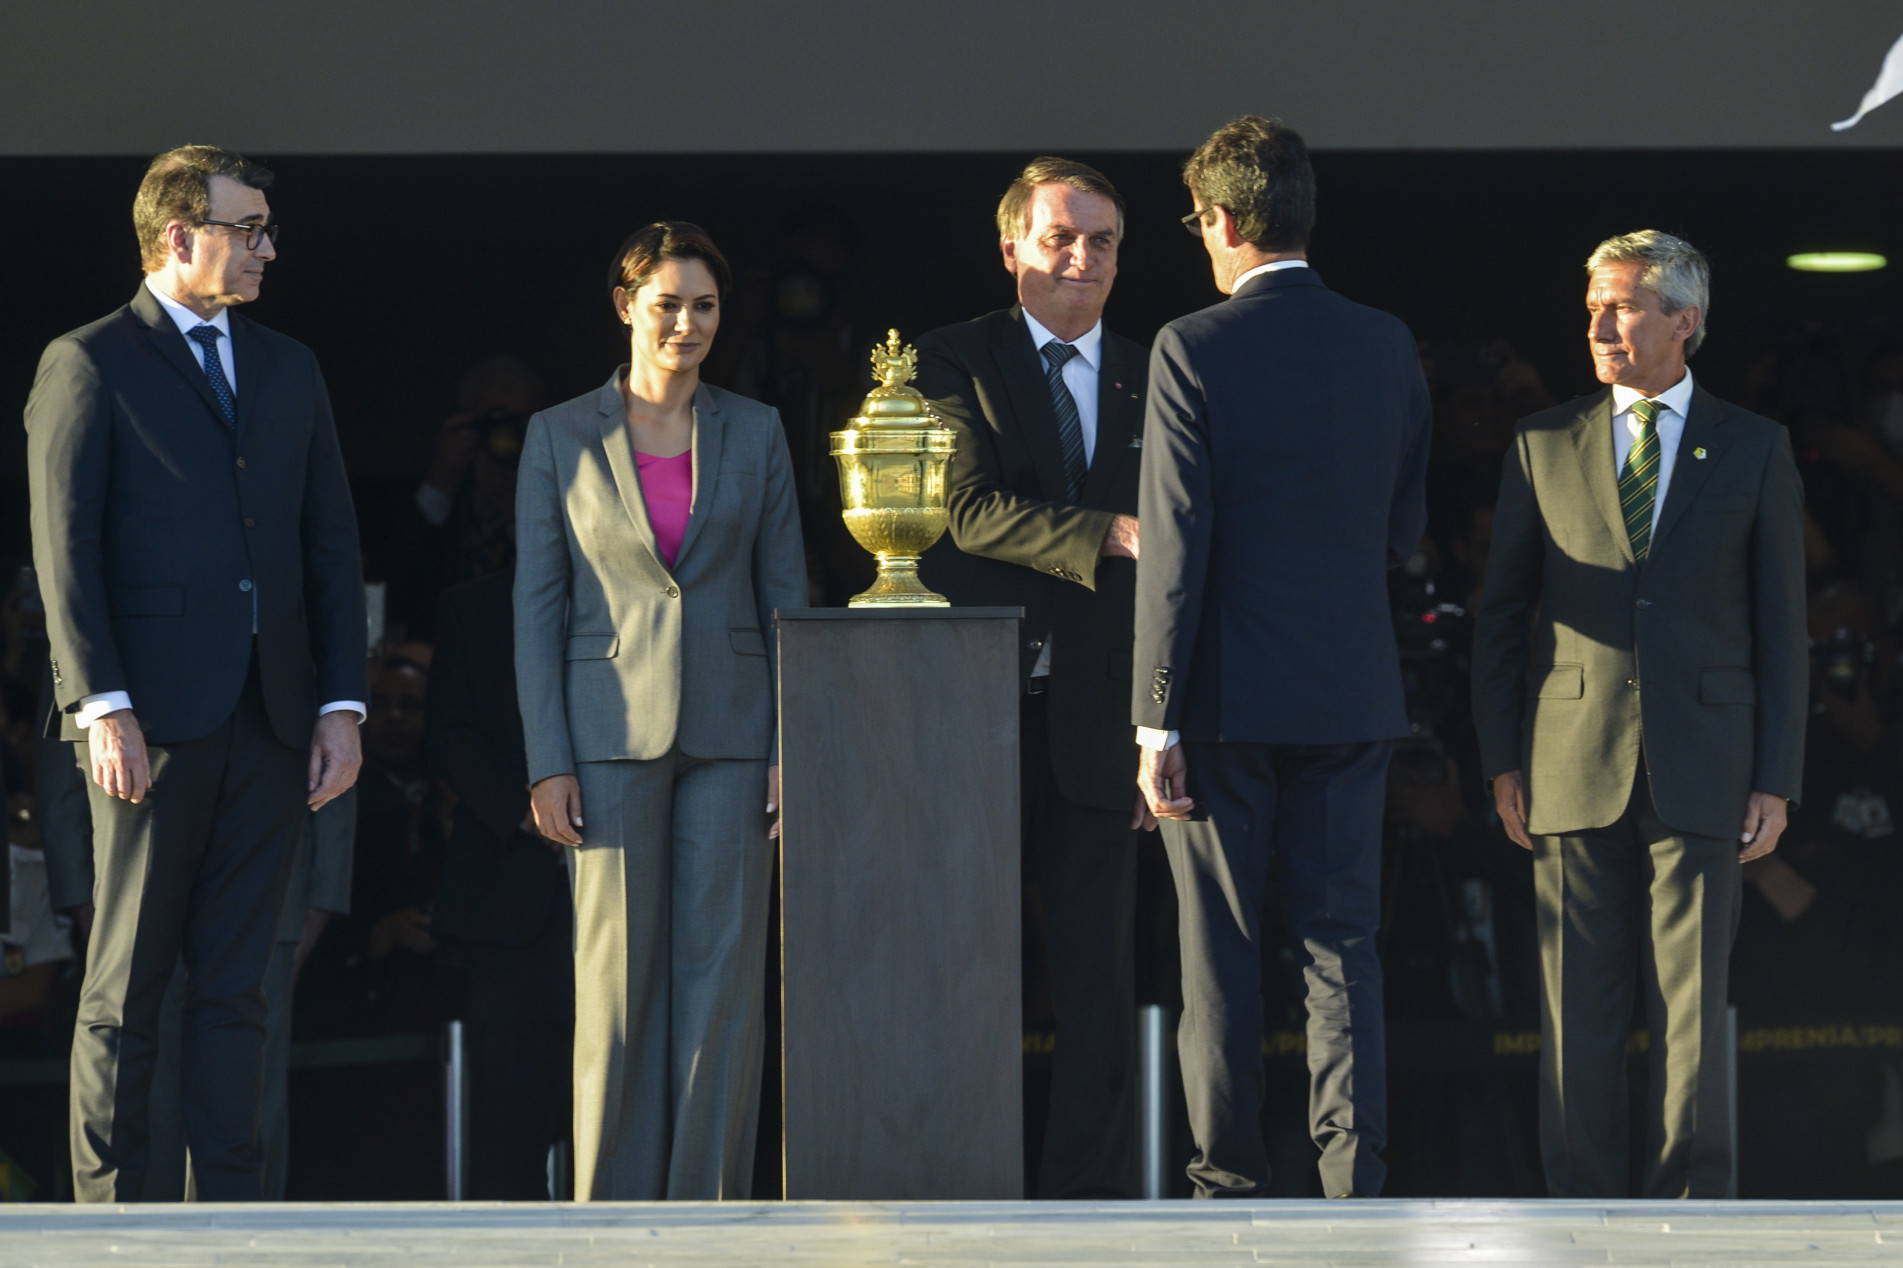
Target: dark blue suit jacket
{"type": "Point", "coordinates": [1284, 468]}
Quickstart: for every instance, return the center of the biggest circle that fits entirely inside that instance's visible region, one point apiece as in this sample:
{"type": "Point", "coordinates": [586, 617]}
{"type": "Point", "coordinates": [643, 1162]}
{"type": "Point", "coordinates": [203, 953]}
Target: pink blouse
{"type": "Point", "coordinates": [667, 486]}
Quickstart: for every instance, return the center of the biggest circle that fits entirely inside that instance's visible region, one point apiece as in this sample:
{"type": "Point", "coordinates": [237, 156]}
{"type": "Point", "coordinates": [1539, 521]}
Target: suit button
{"type": "Point", "coordinates": [245, 586]}
{"type": "Point", "coordinates": [673, 592]}
{"type": "Point", "coordinates": [249, 522]}
{"type": "Point", "coordinates": [1643, 603]}
{"type": "Point", "coordinates": [241, 464]}
{"type": "Point", "coordinates": [1632, 683]}
{"type": "Point", "coordinates": [1037, 644]}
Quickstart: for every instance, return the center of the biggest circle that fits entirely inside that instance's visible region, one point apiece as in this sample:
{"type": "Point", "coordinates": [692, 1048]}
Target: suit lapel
{"type": "Point", "coordinates": [1592, 444]}
{"type": "Point", "coordinates": [1030, 393]}
{"type": "Point", "coordinates": [246, 357]}
{"type": "Point", "coordinates": [163, 332]}
{"type": "Point", "coordinates": [1702, 421]}
{"type": "Point", "coordinates": [1119, 421]}
{"type": "Point", "coordinates": [709, 433]}
{"type": "Point", "coordinates": [619, 447]}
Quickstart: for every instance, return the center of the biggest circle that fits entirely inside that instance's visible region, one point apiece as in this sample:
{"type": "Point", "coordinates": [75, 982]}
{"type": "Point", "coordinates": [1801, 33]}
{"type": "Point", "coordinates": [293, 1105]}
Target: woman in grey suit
{"type": "Point", "coordinates": [656, 532]}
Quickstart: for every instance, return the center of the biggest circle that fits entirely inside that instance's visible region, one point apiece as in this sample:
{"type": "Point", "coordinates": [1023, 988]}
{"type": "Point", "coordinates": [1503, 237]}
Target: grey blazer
{"type": "Point", "coordinates": [616, 655]}
{"type": "Point", "coordinates": [1698, 655]}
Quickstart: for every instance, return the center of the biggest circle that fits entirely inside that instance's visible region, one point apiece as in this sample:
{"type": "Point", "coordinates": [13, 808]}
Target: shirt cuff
{"type": "Point", "coordinates": [1150, 737]}
{"type": "Point", "coordinates": [434, 504]}
{"type": "Point", "coordinates": [355, 706]}
{"type": "Point", "coordinates": [93, 708]}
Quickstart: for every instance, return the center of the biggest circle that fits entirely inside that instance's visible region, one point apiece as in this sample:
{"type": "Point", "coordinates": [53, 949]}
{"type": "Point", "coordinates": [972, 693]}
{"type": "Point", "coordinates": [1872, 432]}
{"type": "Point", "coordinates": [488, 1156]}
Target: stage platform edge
{"type": "Point", "coordinates": [1032, 1234]}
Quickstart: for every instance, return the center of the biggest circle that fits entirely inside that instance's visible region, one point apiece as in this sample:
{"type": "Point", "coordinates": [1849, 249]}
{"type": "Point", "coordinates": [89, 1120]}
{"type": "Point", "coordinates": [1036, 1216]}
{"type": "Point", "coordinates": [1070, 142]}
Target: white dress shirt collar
{"type": "Point", "coordinates": [184, 318]}
{"type": "Point", "coordinates": [1089, 345]}
{"type": "Point", "coordinates": [1270, 267]}
{"type": "Point", "coordinates": [1677, 398]}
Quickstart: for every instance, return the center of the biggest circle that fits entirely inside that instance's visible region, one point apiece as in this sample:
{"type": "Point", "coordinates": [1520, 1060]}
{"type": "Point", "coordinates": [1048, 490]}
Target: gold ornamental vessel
{"type": "Point", "coordinates": [892, 464]}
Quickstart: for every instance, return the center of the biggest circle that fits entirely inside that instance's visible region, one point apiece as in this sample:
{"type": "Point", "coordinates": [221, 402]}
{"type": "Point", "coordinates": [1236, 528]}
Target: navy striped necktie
{"type": "Point", "coordinates": [1070, 424]}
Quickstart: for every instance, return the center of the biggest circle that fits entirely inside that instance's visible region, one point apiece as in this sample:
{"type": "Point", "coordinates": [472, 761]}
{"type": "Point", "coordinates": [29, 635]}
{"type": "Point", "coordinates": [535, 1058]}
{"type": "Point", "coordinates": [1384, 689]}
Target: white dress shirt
{"type": "Point", "coordinates": [1149, 736]}
{"type": "Point", "coordinates": [1267, 268]}
{"type": "Point", "coordinates": [1080, 374]}
{"type": "Point", "coordinates": [1080, 377]}
{"type": "Point", "coordinates": [1674, 403]}
{"type": "Point", "coordinates": [92, 708]}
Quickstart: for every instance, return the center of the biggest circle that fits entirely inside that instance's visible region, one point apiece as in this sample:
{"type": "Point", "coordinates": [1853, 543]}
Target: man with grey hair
{"type": "Point", "coordinates": [1640, 684]}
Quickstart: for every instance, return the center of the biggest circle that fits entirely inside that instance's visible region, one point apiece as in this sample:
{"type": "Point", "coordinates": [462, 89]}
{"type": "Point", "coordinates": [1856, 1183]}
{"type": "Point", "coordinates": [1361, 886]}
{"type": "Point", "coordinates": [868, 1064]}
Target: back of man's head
{"type": "Point", "coordinates": [177, 186]}
{"type": "Point", "coordinates": [1014, 209]}
{"type": "Point", "coordinates": [1257, 168]}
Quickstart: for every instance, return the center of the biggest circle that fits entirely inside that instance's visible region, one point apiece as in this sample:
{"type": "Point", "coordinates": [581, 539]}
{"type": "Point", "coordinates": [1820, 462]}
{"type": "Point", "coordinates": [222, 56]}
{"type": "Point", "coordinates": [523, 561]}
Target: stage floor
{"type": "Point", "coordinates": [1037, 1235]}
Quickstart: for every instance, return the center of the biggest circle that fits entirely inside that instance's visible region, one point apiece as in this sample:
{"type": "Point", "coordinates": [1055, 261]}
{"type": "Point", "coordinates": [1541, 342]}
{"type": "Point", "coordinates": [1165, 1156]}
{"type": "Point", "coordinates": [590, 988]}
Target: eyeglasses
{"type": "Point", "coordinates": [254, 233]}
{"type": "Point", "coordinates": [1194, 222]}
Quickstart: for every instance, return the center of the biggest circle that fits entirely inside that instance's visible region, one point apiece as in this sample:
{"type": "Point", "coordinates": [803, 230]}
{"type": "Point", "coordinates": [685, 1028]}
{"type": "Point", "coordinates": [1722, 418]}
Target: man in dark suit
{"type": "Point", "coordinates": [204, 600]}
{"type": "Point", "coordinates": [1042, 496]}
{"type": "Point", "coordinates": [504, 897]}
{"type": "Point", "coordinates": [1284, 466]}
{"type": "Point", "coordinates": [1641, 678]}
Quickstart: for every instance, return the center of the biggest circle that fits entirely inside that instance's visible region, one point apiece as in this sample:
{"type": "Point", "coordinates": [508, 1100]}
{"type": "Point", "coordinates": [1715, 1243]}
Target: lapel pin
{"type": "Point", "coordinates": [1118, 386]}
{"type": "Point", "coordinates": [1699, 452]}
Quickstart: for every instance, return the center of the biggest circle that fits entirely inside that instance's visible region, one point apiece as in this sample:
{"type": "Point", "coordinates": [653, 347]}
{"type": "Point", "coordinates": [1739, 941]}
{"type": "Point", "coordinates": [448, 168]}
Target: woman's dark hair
{"type": "Point", "coordinates": [647, 246]}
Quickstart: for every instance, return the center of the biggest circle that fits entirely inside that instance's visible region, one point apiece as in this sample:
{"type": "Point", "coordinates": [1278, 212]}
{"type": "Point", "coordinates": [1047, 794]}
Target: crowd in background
{"type": "Point", "coordinates": [1817, 968]}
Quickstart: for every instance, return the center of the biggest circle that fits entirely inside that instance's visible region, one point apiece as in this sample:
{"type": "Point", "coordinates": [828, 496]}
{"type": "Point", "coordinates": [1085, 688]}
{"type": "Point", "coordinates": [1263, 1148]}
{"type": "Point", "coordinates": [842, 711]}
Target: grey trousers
{"type": "Point", "coordinates": [169, 1173]}
{"type": "Point", "coordinates": [1635, 903]}
{"type": "Point", "coordinates": [671, 887]}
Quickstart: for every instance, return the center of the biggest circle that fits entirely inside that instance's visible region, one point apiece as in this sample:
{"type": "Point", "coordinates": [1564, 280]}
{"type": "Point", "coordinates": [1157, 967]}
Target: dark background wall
{"type": "Point", "coordinates": [402, 271]}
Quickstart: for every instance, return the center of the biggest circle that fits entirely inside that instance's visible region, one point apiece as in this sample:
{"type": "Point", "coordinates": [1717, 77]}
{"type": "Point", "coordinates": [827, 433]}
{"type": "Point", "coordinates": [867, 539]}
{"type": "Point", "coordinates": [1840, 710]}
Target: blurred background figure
{"type": "Point", "coordinates": [503, 900]}
{"type": "Point", "coordinates": [458, 522]}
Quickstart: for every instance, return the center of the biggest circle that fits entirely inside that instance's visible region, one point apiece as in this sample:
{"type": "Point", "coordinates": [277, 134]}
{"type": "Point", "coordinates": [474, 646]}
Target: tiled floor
{"type": "Point", "coordinates": [425, 1235]}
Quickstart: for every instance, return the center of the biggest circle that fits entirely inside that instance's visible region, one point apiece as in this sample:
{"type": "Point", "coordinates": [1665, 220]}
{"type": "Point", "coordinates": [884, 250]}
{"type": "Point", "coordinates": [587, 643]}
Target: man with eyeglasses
{"type": "Point", "coordinates": [204, 600]}
{"type": "Point", "coordinates": [1048, 409]}
{"type": "Point", "coordinates": [1284, 471]}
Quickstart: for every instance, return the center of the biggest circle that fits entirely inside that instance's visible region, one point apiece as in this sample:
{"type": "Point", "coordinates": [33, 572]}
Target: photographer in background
{"type": "Point", "coordinates": [1817, 943]}
{"type": "Point", "coordinates": [459, 522]}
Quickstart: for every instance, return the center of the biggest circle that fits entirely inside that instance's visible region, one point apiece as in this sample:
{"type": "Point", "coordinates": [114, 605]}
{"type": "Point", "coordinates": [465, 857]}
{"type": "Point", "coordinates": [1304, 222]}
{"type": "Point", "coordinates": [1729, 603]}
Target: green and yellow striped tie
{"type": "Point", "coordinates": [1639, 482]}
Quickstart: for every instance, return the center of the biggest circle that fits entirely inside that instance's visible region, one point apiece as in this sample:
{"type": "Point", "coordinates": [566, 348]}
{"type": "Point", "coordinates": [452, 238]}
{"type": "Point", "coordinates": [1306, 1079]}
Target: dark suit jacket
{"type": "Point", "coordinates": [1701, 652]}
{"type": "Point", "coordinates": [1016, 542]}
{"type": "Point", "coordinates": [498, 881]}
{"type": "Point", "coordinates": [155, 526]}
{"type": "Point", "coordinates": [1284, 468]}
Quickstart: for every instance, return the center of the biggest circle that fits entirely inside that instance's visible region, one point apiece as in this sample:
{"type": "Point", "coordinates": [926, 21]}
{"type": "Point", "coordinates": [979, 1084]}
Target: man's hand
{"type": "Point", "coordinates": [773, 800]}
{"type": "Point", "coordinates": [407, 927]}
{"type": "Point", "coordinates": [1764, 820]}
{"type": "Point", "coordinates": [1509, 798]}
{"type": "Point", "coordinates": [116, 743]}
{"type": "Point", "coordinates": [315, 918]}
{"type": "Point", "coordinates": [556, 804]}
{"type": "Point", "coordinates": [1160, 778]}
{"type": "Point", "coordinates": [336, 756]}
{"type": "Point", "coordinates": [1120, 541]}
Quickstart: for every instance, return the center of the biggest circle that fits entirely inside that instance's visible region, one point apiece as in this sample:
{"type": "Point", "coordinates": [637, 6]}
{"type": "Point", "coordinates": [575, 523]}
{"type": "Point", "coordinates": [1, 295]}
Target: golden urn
{"type": "Point", "coordinates": [892, 461]}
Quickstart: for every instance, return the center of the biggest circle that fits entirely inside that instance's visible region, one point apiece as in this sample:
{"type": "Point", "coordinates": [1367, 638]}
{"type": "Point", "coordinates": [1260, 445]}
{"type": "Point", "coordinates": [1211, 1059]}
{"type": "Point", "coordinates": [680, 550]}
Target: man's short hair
{"type": "Point", "coordinates": [1257, 168]}
{"type": "Point", "coordinates": [1672, 268]}
{"type": "Point", "coordinates": [177, 186]}
{"type": "Point", "coordinates": [1014, 209]}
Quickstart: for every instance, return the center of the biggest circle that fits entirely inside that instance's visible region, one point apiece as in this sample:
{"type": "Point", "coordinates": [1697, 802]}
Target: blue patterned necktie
{"type": "Point", "coordinates": [1070, 425]}
{"type": "Point", "coordinates": [206, 337]}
